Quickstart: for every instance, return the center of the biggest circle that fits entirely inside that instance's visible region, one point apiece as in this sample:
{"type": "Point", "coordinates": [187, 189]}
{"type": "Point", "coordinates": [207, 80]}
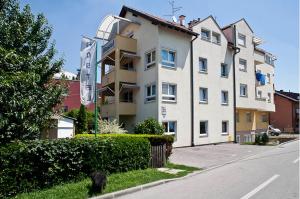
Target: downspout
{"type": "Point", "coordinates": [236, 51]}
{"type": "Point", "coordinates": [192, 91]}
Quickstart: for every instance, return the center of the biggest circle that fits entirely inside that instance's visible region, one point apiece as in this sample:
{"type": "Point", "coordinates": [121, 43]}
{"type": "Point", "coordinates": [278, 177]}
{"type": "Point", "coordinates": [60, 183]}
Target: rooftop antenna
{"type": "Point", "coordinates": [174, 10]}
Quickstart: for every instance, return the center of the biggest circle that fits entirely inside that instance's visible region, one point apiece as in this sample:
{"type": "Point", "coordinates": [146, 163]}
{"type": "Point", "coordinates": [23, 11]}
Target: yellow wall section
{"type": "Point", "coordinates": [256, 120]}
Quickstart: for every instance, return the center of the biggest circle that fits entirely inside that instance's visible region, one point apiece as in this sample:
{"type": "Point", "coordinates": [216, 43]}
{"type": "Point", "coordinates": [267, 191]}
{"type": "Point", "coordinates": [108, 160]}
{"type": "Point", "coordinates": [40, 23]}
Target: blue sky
{"type": "Point", "coordinates": [275, 21]}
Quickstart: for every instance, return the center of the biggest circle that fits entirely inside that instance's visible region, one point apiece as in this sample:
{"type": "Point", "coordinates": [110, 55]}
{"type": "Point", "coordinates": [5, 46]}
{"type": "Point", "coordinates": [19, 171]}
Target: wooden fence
{"type": "Point", "coordinates": [158, 156]}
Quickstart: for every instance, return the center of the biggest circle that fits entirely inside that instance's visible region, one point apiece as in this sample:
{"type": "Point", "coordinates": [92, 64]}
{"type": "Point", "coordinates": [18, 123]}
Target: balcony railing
{"type": "Point", "coordinates": [109, 45]}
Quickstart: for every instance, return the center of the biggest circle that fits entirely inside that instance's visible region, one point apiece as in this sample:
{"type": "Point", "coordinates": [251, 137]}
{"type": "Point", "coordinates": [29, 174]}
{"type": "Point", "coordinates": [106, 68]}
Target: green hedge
{"type": "Point", "coordinates": [154, 139]}
{"type": "Point", "coordinates": [38, 164]}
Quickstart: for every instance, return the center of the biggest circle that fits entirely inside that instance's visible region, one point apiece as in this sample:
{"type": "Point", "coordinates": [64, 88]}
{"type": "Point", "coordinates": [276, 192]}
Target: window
{"type": "Point", "coordinates": [126, 96]}
{"type": "Point", "coordinates": [242, 40]}
{"type": "Point", "coordinates": [269, 59]}
{"type": "Point", "coordinates": [150, 93]}
{"type": "Point", "coordinates": [205, 34]}
{"type": "Point", "coordinates": [248, 117]}
{"type": "Point", "coordinates": [243, 90]}
{"type": "Point", "coordinates": [259, 94]}
{"type": "Point", "coordinates": [237, 116]}
{"type": "Point", "coordinates": [127, 66]}
{"type": "Point", "coordinates": [202, 64]}
{"type": "Point", "coordinates": [268, 78]}
{"type": "Point", "coordinates": [224, 97]}
{"type": "Point", "coordinates": [216, 38]}
{"type": "Point", "coordinates": [203, 95]}
{"type": "Point", "coordinates": [243, 65]}
{"type": "Point", "coordinates": [269, 97]}
{"type": "Point", "coordinates": [264, 118]}
{"type": "Point", "coordinates": [203, 128]}
{"type": "Point", "coordinates": [168, 92]}
{"type": "Point", "coordinates": [224, 127]}
{"type": "Point", "coordinates": [168, 58]}
{"type": "Point", "coordinates": [224, 70]}
{"type": "Point", "coordinates": [170, 127]}
{"type": "Point", "coordinates": [150, 59]}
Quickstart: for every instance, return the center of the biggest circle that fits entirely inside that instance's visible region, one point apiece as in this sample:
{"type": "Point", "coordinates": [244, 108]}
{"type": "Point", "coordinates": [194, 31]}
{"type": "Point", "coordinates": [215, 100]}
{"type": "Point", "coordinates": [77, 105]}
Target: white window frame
{"type": "Point", "coordinates": [218, 36]}
{"type": "Point", "coordinates": [226, 69]}
{"type": "Point", "coordinates": [227, 127]}
{"type": "Point", "coordinates": [205, 101]}
{"type": "Point", "coordinates": [259, 94]}
{"type": "Point", "coordinates": [204, 37]}
{"type": "Point", "coordinates": [166, 96]}
{"type": "Point", "coordinates": [153, 61]}
{"type": "Point", "coordinates": [227, 101]}
{"type": "Point", "coordinates": [151, 97]}
{"type": "Point", "coordinates": [206, 128]}
{"type": "Point", "coordinates": [241, 37]}
{"type": "Point", "coordinates": [246, 94]}
{"type": "Point", "coordinates": [167, 61]}
{"type": "Point", "coordinates": [244, 69]}
{"type": "Point", "coordinates": [205, 62]}
{"type": "Point", "coordinates": [168, 132]}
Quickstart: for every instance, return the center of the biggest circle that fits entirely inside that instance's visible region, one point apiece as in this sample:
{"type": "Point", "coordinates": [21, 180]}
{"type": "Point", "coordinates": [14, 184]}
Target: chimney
{"type": "Point", "coordinates": [181, 20]}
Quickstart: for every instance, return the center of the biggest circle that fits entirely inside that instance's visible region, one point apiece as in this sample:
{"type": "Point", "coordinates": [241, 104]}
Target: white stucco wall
{"type": "Point", "coordinates": [248, 53]}
{"type": "Point", "coordinates": [147, 39]}
{"type": "Point", "coordinates": [214, 112]}
{"type": "Point", "coordinates": [181, 110]}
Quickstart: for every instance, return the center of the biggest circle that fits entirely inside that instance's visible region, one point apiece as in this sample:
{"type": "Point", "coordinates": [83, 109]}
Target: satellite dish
{"type": "Point", "coordinates": [174, 19]}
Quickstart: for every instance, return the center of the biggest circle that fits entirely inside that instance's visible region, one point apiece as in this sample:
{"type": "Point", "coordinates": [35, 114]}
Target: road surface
{"type": "Point", "coordinates": [273, 174]}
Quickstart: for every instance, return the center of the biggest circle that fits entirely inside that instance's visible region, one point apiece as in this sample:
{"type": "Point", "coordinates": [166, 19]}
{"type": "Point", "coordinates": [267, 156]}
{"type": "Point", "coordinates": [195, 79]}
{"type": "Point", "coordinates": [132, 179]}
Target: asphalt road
{"type": "Point", "coordinates": [273, 174]}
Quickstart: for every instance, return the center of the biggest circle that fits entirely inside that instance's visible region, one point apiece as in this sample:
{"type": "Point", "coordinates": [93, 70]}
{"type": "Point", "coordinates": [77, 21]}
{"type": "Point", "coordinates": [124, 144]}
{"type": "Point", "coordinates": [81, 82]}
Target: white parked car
{"type": "Point", "coordinates": [273, 131]}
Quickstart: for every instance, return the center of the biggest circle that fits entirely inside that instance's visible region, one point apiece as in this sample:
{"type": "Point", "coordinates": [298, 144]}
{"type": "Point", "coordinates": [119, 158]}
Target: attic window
{"type": "Point", "coordinates": [134, 15]}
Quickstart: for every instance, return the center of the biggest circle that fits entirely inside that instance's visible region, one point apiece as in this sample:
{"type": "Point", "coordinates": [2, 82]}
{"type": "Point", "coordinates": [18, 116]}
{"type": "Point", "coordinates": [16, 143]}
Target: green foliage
{"type": "Point", "coordinates": [153, 139]}
{"type": "Point", "coordinates": [38, 164]}
{"type": "Point", "coordinates": [149, 126]}
{"type": "Point", "coordinates": [81, 120]}
{"type": "Point", "coordinates": [89, 115]}
{"type": "Point", "coordinates": [264, 138]}
{"type": "Point", "coordinates": [27, 60]}
{"type": "Point", "coordinates": [110, 127]}
{"type": "Point", "coordinates": [261, 139]}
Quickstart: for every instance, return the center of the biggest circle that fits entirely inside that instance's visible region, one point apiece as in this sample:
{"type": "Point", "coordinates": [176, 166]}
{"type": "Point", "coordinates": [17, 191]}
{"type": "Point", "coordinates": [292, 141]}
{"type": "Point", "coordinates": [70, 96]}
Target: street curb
{"type": "Point", "coordinates": [156, 183]}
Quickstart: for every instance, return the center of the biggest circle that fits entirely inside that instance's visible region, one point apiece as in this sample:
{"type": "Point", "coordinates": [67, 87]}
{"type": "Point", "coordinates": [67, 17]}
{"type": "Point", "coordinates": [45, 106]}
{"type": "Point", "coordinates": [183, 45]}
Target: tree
{"type": "Point", "coordinates": [27, 66]}
{"type": "Point", "coordinates": [81, 120]}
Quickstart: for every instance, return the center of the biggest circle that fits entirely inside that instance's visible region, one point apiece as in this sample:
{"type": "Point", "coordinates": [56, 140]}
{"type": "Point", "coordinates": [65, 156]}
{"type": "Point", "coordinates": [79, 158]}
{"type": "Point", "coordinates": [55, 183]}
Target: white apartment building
{"type": "Point", "coordinates": [181, 75]}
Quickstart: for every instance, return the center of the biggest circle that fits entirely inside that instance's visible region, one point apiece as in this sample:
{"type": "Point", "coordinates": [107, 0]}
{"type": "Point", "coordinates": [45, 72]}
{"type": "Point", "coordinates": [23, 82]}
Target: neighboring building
{"type": "Point", "coordinates": [63, 127]}
{"type": "Point", "coordinates": [183, 77]}
{"type": "Point", "coordinates": [65, 74]}
{"type": "Point", "coordinates": [286, 115]}
{"type": "Point", "coordinates": [72, 99]}
{"type": "Point", "coordinates": [254, 79]}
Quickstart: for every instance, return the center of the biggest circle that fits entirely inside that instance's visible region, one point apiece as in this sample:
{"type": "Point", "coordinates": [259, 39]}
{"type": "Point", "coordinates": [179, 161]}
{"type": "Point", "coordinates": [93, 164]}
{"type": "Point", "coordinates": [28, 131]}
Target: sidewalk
{"type": "Point", "coordinates": [212, 155]}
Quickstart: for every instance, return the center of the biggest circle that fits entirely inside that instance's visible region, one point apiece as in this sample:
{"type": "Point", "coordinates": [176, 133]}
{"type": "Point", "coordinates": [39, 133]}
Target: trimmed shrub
{"type": "Point", "coordinates": [153, 139]}
{"type": "Point", "coordinates": [39, 164]}
{"type": "Point", "coordinates": [149, 126]}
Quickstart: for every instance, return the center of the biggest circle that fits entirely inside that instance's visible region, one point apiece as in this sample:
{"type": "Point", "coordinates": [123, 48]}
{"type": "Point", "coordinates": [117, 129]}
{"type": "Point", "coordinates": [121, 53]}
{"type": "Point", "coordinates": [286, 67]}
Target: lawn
{"type": "Point", "coordinates": [116, 182]}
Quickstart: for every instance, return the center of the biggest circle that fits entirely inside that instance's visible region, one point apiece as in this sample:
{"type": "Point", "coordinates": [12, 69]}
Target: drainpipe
{"type": "Point", "coordinates": [192, 92]}
{"type": "Point", "coordinates": [236, 51]}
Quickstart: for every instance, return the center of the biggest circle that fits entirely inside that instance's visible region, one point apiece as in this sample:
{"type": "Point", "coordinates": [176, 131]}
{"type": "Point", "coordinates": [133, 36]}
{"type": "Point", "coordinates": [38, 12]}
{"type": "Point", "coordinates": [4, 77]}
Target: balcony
{"type": "Point", "coordinates": [125, 108]}
{"type": "Point", "coordinates": [128, 76]}
{"type": "Point", "coordinates": [122, 43]}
